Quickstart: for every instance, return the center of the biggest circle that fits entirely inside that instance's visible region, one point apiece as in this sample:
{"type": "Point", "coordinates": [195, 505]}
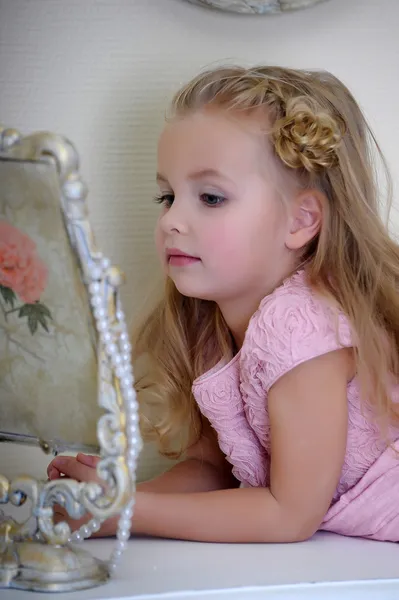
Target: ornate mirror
{"type": "Point", "coordinates": [66, 382]}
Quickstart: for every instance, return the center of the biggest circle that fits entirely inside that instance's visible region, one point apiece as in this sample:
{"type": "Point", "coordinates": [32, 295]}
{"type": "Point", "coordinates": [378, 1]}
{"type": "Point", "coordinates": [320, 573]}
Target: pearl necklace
{"type": "Point", "coordinates": [115, 340]}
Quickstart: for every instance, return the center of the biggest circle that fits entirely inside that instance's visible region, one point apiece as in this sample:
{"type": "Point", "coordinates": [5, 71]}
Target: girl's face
{"type": "Point", "coordinates": [222, 231]}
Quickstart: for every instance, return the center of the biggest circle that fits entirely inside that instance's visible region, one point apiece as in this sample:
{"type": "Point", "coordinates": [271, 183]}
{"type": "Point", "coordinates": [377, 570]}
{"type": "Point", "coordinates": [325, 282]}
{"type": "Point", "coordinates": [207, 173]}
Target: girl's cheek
{"type": "Point", "coordinates": [158, 241]}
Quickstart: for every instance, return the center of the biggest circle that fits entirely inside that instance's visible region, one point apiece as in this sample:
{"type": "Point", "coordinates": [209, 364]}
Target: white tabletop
{"type": "Point", "coordinates": [325, 567]}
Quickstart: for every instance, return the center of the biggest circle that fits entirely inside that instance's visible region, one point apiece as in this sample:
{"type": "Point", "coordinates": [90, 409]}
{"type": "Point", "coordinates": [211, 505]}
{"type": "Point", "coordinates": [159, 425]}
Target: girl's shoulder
{"type": "Point", "coordinates": [292, 325]}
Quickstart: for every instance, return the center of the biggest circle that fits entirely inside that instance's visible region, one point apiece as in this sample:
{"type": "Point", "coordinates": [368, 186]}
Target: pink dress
{"type": "Point", "coordinates": [291, 326]}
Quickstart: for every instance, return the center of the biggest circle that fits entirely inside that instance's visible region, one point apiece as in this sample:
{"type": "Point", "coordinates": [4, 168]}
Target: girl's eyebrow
{"type": "Point", "coordinates": [161, 179]}
{"type": "Point", "coordinates": [197, 175]}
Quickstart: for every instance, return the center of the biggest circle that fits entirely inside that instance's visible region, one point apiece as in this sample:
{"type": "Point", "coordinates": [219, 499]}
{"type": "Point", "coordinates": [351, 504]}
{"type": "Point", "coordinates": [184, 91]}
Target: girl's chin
{"type": "Point", "coordinates": [191, 291]}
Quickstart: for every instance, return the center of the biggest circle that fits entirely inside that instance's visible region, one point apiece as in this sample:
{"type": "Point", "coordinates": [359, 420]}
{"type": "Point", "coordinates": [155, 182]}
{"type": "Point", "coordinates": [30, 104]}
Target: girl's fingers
{"type": "Point", "coordinates": [87, 459]}
{"type": "Point", "coordinates": [52, 472]}
{"type": "Point", "coordinates": [71, 467]}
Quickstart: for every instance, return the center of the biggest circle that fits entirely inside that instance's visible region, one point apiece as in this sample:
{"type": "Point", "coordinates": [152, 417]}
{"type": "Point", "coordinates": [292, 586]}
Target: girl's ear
{"type": "Point", "coordinates": [305, 219]}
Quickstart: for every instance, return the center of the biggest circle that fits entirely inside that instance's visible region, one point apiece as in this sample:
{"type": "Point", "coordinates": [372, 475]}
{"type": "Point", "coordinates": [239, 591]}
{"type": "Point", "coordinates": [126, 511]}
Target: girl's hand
{"type": "Point", "coordinates": [82, 468]}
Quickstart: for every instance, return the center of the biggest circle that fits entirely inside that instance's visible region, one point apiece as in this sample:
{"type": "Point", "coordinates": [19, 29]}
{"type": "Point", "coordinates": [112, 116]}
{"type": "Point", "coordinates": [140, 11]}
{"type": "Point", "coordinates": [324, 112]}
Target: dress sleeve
{"type": "Point", "coordinates": [293, 325]}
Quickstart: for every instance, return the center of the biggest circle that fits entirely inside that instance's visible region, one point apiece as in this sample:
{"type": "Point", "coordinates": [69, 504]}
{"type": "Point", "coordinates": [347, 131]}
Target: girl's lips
{"type": "Point", "coordinates": [182, 260]}
{"type": "Point", "coordinates": [177, 258]}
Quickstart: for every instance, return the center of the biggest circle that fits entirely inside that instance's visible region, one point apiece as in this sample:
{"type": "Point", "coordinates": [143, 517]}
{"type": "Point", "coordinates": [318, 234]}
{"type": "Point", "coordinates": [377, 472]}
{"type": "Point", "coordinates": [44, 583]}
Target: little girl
{"type": "Point", "coordinates": [274, 351]}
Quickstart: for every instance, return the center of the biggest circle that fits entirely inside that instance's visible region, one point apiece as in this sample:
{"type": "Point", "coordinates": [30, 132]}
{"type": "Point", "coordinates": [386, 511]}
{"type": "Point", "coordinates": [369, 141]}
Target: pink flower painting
{"type": "Point", "coordinates": [23, 275]}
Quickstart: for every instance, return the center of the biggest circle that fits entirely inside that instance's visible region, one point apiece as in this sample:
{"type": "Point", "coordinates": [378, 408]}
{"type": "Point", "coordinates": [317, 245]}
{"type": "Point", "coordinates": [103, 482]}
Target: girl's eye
{"type": "Point", "coordinates": [208, 199]}
{"type": "Point", "coordinates": [166, 199]}
{"type": "Point", "coordinates": [212, 199]}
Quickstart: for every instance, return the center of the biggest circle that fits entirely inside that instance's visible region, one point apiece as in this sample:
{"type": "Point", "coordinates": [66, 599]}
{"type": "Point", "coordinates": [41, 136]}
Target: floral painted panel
{"type": "Point", "coordinates": [48, 370]}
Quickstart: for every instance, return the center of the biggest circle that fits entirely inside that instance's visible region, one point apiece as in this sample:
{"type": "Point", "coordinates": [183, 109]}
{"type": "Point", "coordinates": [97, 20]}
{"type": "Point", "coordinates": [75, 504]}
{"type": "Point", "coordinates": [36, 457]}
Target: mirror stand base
{"type": "Point", "coordinates": [41, 567]}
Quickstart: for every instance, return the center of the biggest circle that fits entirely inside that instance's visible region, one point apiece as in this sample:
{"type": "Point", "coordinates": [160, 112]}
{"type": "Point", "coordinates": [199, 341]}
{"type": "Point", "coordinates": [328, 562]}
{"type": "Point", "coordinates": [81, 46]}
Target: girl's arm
{"type": "Point", "coordinates": [205, 469]}
{"type": "Point", "coordinates": [308, 416]}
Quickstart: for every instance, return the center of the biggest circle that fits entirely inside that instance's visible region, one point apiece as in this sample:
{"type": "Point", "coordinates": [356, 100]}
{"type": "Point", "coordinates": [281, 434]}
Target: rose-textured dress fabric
{"type": "Point", "coordinates": [291, 326]}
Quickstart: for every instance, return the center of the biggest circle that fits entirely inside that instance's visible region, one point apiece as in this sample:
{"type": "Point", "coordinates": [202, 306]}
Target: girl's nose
{"type": "Point", "coordinates": [174, 219]}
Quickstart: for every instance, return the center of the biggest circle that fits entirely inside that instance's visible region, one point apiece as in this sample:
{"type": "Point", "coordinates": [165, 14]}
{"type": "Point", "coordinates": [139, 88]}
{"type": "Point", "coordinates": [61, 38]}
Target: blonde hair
{"type": "Point", "coordinates": [321, 137]}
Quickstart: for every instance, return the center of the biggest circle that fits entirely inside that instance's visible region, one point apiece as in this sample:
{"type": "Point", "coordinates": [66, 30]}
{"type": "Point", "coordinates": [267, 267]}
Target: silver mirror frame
{"type": "Point", "coordinates": [45, 557]}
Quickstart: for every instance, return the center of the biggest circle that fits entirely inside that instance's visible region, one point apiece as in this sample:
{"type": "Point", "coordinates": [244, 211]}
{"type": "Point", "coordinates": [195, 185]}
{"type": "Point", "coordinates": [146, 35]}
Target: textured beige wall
{"type": "Point", "coordinates": [100, 72]}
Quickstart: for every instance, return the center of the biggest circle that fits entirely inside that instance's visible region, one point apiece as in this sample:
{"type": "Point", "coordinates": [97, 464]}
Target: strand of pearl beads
{"type": "Point", "coordinates": [118, 352]}
{"type": "Point", "coordinates": [123, 370]}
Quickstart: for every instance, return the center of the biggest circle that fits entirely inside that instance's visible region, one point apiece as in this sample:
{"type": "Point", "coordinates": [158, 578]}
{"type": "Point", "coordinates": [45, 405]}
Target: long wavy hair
{"type": "Point", "coordinates": [320, 138]}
